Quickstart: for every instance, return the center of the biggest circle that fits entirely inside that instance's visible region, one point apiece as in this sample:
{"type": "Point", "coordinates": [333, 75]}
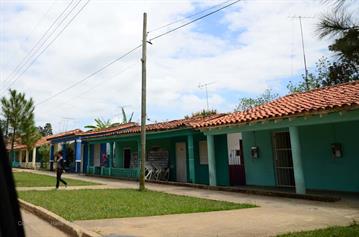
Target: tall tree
{"type": "Point", "coordinates": [341, 25]}
{"type": "Point", "coordinates": [202, 113]}
{"type": "Point", "coordinates": [19, 112]}
{"type": "Point", "coordinates": [315, 79]}
{"type": "Point", "coordinates": [248, 103]}
{"type": "Point", "coordinates": [46, 130]}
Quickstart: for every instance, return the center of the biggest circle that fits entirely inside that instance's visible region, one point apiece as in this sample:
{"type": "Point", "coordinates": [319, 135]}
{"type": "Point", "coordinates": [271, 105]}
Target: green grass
{"type": "Point", "coordinates": [26, 179]}
{"type": "Point", "coordinates": [116, 203]}
{"type": "Point", "coordinates": [335, 231]}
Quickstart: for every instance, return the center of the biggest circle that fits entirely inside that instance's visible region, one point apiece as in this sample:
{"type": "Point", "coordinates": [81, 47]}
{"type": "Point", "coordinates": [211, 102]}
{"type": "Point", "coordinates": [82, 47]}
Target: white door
{"type": "Point", "coordinates": [181, 168]}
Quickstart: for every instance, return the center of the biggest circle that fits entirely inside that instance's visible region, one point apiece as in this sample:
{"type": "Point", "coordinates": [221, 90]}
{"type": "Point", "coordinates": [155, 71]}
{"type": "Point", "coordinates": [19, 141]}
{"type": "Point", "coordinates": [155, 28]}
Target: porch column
{"type": "Point", "coordinates": [20, 158]}
{"type": "Point", "coordinates": [191, 163]}
{"type": "Point", "coordinates": [64, 151]}
{"type": "Point", "coordinates": [88, 157]}
{"type": "Point", "coordinates": [211, 161]}
{"type": "Point", "coordinates": [34, 158]}
{"type": "Point", "coordinates": [26, 158]}
{"type": "Point", "coordinates": [78, 155]}
{"type": "Point", "coordinates": [111, 159]}
{"type": "Point", "coordinates": [52, 150]}
{"type": "Point", "coordinates": [297, 160]}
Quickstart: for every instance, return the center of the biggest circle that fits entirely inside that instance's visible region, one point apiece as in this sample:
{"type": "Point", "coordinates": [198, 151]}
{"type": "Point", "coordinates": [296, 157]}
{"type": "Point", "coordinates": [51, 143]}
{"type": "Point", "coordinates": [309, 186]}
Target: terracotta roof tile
{"type": "Point", "coordinates": [108, 131]}
{"type": "Point", "coordinates": [318, 100]}
{"type": "Point", "coordinates": [42, 141]}
{"type": "Point", "coordinates": [173, 124]}
{"type": "Point", "coordinates": [65, 134]}
{"type": "Point", "coordinates": [19, 146]}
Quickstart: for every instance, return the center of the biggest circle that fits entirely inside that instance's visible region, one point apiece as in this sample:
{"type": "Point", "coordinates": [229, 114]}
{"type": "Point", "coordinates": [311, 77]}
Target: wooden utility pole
{"type": "Point", "coordinates": [143, 104]}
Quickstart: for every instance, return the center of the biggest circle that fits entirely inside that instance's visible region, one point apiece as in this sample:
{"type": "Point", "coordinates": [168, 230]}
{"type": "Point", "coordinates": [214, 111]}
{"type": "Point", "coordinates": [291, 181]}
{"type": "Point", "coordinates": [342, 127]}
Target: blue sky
{"type": "Point", "coordinates": [249, 47]}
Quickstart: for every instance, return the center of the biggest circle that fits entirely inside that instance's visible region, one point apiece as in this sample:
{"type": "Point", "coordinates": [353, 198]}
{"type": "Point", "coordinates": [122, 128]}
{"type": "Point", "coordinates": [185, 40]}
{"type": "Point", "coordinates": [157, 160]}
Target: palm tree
{"type": "Point", "coordinates": [19, 114]}
{"type": "Point", "coordinates": [339, 22]}
{"type": "Point", "coordinates": [124, 116]}
{"type": "Point", "coordinates": [341, 25]}
{"type": "Point", "coordinates": [99, 124]}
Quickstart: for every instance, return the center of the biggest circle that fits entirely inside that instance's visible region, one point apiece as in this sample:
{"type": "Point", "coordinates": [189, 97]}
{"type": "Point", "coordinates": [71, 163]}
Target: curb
{"type": "Point", "coordinates": [60, 223]}
{"type": "Point", "coordinates": [311, 197]}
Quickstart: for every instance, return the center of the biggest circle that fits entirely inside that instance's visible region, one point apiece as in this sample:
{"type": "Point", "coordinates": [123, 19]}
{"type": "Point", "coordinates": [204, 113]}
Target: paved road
{"type": "Point", "coordinates": [36, 227]}
{"type": "Point", "coordinates": [274, 216]}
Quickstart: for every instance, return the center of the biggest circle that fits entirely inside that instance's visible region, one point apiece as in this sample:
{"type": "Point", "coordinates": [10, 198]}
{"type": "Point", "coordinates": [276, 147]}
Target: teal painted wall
{"type": "Point", "coordinates": [119, 154]}
{"type": "Point", "coordinates": [221, 156]}
{"type": "Point", "coordinates": [169, 144]}
{"type": "Point", "coordinates": [201, 170]}
{"type": "Point", "coordinates": [321, 171]}
{"type": "Point", "coordinates": [259, 171]}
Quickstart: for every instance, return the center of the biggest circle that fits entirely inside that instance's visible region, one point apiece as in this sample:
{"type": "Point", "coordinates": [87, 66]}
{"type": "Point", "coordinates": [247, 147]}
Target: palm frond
{"type": "Point", "coordinates": [130, 119]}
{"type": "Point", "coordinates": [335, 23]}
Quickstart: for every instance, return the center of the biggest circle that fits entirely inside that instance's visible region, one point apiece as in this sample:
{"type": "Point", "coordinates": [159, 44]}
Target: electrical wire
{"type": "Point", "coordinates": [59, 33]}
{"type": "Point", "coordinates": [188, 17]}
{"type": "Point", "coordinates": [132, 50]}
{"type": "Point", "coordinates": [192, 21]}
{"type": "Point", "coordinates": [100, 83]}
{"type": "Point", "coordinates": [30, 53]}
{"type": "Point", "coordinates": [89, 76]}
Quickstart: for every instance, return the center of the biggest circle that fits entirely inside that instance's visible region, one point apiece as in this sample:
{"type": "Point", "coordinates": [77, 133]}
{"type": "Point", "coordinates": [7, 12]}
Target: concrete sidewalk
{"type": "Point", "coordinates": [274, 216]}
{"type": "Point", "coordinates": [36, 227]}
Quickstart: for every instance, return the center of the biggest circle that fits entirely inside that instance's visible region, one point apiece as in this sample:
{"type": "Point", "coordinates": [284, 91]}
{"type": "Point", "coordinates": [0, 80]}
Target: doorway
{"type": "Point", "coordinates": [236, 170]}
{"type": "Point", "coordinates": [181, 157]}
{"type": "Point", "coordinates": [283, 161]}
{"type": "Point", "coordinates": [127, 158]}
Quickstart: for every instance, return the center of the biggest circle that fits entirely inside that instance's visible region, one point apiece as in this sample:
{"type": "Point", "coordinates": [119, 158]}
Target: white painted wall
{"type": "Point", "coordinates": [233, 145]}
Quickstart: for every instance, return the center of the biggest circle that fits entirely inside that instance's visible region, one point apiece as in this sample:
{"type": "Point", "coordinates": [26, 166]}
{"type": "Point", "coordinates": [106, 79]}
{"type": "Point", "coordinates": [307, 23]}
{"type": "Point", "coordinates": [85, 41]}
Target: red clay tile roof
{"type": "Point", "coordinates": [65, 134]}
{"type": "Point", "coordinates": [42, 141]}
{"type": "Point", "coordinates": [162, 126]}
{"type": "Point", "coordinates": [318, 100]}
{"type": "Point", "coordinates": [19, 146]}
{"type": "Point", "coordinates": [108, 130]}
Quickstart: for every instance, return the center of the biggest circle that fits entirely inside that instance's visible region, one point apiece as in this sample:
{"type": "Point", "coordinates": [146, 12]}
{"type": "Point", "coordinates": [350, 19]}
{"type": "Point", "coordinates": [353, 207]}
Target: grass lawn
{"type": "Point", "coordinates": [26, 179]}
{"type": "Point", "coordinates": [335, 231]}
{"type": "Point", "coordinates": [115, 203]}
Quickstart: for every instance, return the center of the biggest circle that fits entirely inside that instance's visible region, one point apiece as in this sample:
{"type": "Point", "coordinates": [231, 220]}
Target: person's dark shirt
{"type": "Point", "coordinates": [60, 164]}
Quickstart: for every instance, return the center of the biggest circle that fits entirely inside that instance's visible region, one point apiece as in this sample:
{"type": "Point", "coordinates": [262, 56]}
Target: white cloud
{"type": "Point", "coordinates": [251, 61]}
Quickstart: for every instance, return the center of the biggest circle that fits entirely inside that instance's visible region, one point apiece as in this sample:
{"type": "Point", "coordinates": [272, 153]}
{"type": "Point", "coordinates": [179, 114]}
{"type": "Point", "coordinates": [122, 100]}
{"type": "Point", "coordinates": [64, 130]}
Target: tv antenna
{"type": "Point", "coordinates": [303, 47]}
{"type": "Point", "coordinates": [205, 86]}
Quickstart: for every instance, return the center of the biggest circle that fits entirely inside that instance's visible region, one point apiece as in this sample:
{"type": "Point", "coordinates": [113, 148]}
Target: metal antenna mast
{"type": "Point", "coordinates": [205, 85]}
{"type": "Point", "coordinates": [303, 48]}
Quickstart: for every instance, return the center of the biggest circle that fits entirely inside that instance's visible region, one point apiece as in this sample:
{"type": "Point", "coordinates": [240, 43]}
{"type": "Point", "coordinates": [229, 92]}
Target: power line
{"type": "Point", "coordinates": [194, 20]}
{"type": "Point", "coordinates": [40, 19]}
{"type": "Point", "coordinates": [89, 76]}
{"type": "Point", "coordinates": [97, 85]}
{"type": "Point", "coordinates": [59, 33]}
{"type": "Point", "coordinates": [30, 53]}
{"type": "Point", "coordinates": [132, 50]}
{"type": "Point", "coordinates": [188, 17]}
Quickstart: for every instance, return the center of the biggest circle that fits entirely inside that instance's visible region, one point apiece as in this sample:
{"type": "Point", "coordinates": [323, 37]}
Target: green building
{"type": "Point", "coordinates": [306, 141]}
{"type": "Point", "coordinates": [175, 152]}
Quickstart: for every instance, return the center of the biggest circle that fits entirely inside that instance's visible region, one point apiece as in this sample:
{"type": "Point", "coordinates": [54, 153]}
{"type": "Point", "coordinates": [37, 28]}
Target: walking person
{"type": "Point", "coordinates": [60, 170]}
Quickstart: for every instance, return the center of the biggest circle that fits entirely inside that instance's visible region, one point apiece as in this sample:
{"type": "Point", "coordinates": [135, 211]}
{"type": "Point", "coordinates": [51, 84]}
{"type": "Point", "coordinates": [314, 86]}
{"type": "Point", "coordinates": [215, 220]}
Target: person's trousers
{"type": "Point", "coordinates": [59, 179]}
